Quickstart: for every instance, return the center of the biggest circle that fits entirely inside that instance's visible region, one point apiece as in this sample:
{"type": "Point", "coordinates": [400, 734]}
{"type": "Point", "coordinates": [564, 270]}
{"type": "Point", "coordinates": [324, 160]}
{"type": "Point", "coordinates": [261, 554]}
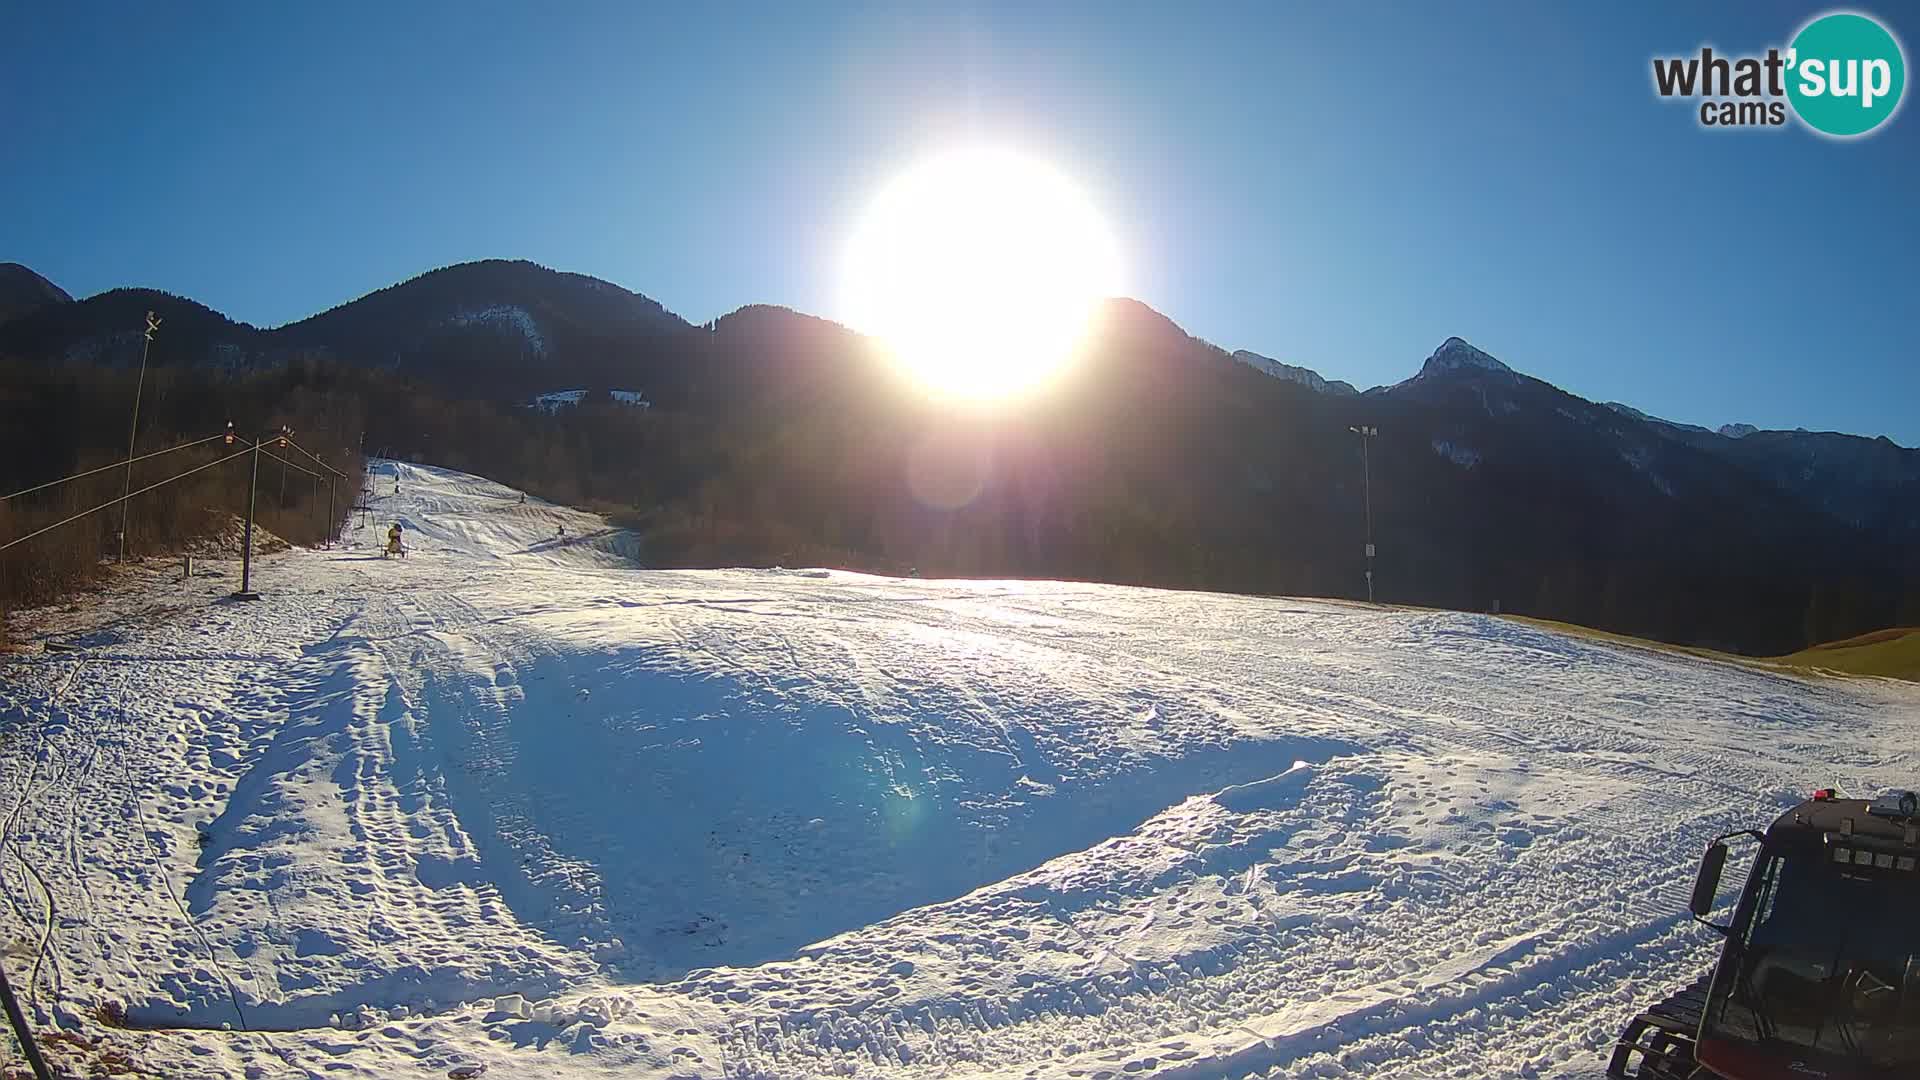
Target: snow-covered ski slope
{"type": "Point", "coordinates": [801, 823]}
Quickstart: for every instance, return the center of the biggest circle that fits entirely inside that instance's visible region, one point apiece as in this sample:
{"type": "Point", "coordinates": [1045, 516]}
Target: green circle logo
{"type": "Point", "coordinates": [1845, 74]}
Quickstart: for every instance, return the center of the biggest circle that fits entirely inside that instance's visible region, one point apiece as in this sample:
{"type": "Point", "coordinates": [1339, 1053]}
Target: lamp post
{"type": "Point", "coordinates": [246, 544]}
{"type": "Point", "coordinates": [1367, 433]}
{"type": "Point", "coordinates": [285, 434]}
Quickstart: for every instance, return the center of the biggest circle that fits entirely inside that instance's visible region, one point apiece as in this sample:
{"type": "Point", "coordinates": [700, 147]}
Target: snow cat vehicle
{"type": "Point", "coordinates": [1820, 973]}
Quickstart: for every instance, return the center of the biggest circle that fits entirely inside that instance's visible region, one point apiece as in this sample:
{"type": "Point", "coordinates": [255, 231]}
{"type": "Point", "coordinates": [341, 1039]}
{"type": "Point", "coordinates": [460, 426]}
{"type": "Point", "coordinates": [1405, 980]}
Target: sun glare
{"type": "Point", "coordinates": [979, 269]}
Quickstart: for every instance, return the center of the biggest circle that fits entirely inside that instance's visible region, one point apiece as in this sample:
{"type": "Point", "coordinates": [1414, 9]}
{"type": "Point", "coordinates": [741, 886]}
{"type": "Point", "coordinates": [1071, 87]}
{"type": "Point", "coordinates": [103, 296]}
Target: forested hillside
{"type": "Point", "coordinates": [774, 437]}
{"type": "Point", "coordinates": [59, 421]}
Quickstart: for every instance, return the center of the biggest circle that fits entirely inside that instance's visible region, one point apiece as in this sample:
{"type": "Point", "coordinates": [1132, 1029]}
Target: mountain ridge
{"type": "Point", "coordinates": [23, 291]}
{"type": "Point", "coordinates": [1306, 377]}
{"type": "Point", "coordinates": [308, 335]}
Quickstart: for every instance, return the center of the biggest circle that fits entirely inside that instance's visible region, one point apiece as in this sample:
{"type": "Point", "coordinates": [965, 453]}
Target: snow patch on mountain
{"type": "Point", "coordinates": [508, 315]}
{"type": "Point", "coordinates": [1464, 456]}
{"type": "Point", "coordinates": [1306, 377]}
{"type": "Point", "coordinates": [229, 357]}
{"type": "Point", "coordinates": [1640, 460]}
{"type": "Point", "coordinates": [1628, 410]}
{"type": "Point", "coordinates": [555, 400]}
{"type": "Point", "coordinates": [1731, 431]}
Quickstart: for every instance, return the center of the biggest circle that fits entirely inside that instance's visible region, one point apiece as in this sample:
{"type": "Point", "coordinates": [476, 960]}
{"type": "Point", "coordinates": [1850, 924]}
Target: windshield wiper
{"type": "Point", "coordinates": [1748, 994]}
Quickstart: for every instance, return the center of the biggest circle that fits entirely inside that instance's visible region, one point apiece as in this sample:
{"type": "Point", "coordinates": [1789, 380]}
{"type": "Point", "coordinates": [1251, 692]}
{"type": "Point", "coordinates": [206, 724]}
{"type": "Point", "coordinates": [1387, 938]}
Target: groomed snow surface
{"type": "Point", "coordinates": [511, 802]}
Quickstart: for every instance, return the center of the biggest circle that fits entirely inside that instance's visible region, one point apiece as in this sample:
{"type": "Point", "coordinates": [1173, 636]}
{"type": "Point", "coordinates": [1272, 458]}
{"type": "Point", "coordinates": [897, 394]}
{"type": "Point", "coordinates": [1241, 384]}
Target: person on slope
{"type": "Point", "coordinates": [393, 539]}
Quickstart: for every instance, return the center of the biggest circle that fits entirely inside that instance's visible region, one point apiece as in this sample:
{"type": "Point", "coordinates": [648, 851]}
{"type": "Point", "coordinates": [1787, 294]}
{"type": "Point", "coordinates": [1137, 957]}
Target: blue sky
{"type": "Point", "coordinates": [1340, 186]}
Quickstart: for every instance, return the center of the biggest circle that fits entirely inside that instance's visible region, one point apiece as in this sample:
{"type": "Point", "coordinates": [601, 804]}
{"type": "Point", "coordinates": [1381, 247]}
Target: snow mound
{"type": "Point", "coordinates": [706, 816]}
{"type": "Point", "coordinates": [230, 538]}
{"type": "Point", "coordinates": [1272, 793]}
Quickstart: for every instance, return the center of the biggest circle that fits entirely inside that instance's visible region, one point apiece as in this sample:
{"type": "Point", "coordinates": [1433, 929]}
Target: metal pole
{"type": "Point", "coordinates": [133, 429]}
{"type": "Point", "coordinates": [330, 518]}
{"type": "Point", "coordinates": [20, 1030]}
{"type": "Point", "coordinates": [1366, 433]}
{"type": "Point", "coordinates": [1366, 487]}
{"type": "Point", "coordinates": [246, 553]}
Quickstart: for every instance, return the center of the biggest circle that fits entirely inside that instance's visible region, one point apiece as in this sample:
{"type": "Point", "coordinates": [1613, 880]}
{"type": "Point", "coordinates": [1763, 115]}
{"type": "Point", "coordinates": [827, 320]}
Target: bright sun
{"type": "Point", "coordinates": [979, 269]}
